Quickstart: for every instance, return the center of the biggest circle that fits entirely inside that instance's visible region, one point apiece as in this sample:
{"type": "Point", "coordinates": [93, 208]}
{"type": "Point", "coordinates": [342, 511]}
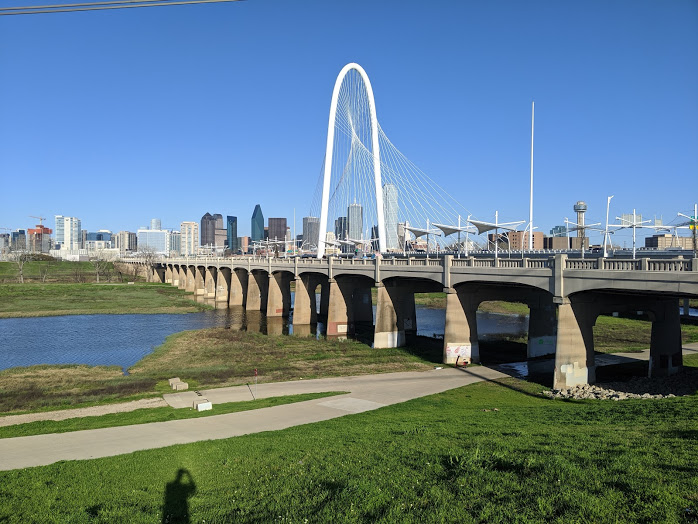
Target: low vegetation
{"type": "Point", "coordinates": [204, 358]}
{"type": "Point", "coordinates": [36, 300]}
{"type": "Point", "coordinates": [147, 415]}
{"type": "Point", "coordinates": [489, 452]}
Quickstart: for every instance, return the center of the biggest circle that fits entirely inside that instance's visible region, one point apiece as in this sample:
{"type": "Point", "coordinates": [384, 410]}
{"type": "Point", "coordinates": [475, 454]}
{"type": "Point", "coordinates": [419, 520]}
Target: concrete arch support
{"type": "Point", "coordinates": [238, 287]}
{"type": "Point", "coordinates": [460, 331]}
{"type": "Point", "coordinates": [665, 344]}
{"type": "Point", "coordinates": [574, 349]}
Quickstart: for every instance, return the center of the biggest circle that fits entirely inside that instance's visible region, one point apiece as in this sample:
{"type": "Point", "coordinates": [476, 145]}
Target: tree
{"type": "Point", "coordinates": [149, 256]}
{"type": "Point", "coordinates": [20, 257]}
{"type": "Point", "coordinates": [101, 263]}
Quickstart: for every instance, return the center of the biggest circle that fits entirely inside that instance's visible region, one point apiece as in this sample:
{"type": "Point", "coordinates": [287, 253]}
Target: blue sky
{"type": "Point", "coordinates": [120, 116]}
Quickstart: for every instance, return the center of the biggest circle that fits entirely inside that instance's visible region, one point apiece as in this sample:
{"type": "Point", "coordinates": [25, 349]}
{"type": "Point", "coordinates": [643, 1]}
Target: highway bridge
{"type": "Point", "coordinates": [565, 296]}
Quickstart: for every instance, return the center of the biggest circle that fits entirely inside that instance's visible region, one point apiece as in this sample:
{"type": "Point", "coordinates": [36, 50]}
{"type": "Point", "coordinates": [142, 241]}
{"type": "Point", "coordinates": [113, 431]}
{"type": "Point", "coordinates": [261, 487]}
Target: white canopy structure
{"type": "Point", "coordinates": [483, 227]}
{"type": "Point", "coordinates": [449, 230]}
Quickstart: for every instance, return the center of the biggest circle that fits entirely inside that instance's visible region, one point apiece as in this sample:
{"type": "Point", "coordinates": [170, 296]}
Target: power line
{"type": "Point", "coordinates": [98, 6]}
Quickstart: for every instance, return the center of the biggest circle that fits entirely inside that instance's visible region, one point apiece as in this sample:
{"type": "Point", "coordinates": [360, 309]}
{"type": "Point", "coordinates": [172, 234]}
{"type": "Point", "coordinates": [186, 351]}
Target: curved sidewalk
{"type": "Point", "coordinates": [366, 393]}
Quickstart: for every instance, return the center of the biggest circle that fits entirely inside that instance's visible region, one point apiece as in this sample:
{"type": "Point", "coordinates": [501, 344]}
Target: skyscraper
{"type": "Point", "coordinates": [257, 224]}
{"type": "Point", "coordinates": [355, 221]}
{"type": "Point", "coordinates": [155, 223]}
{"type": "Point", "coordinates": [126, 241]}
{"type": "Point", "coordinates": [311, 233]}
{"type": "Point", "coordinates": [68, 232]}
{"type": "Point", "coordinates": [207, 232]}
{"type": "Point", "coordinates": [340, 228]}
{"type": "Point", "coordinates": [277, 229]}
{"type": "Point", "coordinates": [189, 232]}
{"type": "Point", "coordinates": [232, 230]}
{"type": "Point", "coordinates": [390, 209]}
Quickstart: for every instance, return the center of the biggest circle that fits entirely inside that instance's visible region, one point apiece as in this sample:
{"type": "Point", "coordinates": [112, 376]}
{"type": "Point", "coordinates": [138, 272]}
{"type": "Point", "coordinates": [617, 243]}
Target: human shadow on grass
{"type": "Point", "coordinates": [175, 509]}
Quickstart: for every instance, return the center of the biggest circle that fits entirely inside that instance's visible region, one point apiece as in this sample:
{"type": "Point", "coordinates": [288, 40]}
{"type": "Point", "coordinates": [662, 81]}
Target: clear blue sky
{"type": "Point", "coordinates": [120, 116]}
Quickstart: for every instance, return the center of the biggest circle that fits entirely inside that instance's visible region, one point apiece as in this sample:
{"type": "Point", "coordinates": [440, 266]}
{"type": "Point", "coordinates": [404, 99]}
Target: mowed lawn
{"type": "Point", "coordinates": [489, 452]}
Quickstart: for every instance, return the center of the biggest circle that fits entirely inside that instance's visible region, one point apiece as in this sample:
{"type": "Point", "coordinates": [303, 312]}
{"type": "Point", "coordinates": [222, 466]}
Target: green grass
{"type": "Point", "coordinates": [147, 415]}
{"type": "Point", "coordinates": [29, 300]}
{"type": "Point", "coordinates": [55, 271]}
{"type": "Point", "coordinates": [441, 458]}
{"type": "Point", "coordinates": [204, 358]}
{"type": "Point", "coordinates": [615, 335]}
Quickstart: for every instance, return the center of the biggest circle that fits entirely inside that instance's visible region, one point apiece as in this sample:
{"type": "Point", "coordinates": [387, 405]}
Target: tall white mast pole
{"type": "Point", "coordinates": [530, 211]}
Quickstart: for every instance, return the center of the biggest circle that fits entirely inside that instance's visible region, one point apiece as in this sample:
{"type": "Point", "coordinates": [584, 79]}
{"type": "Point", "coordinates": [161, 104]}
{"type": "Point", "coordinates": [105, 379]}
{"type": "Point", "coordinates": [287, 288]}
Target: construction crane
{"type": "Point", "coordinates": [41, 219]}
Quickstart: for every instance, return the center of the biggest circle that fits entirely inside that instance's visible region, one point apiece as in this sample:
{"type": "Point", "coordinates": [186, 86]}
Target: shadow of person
{"type": "Point", "coordinates": [176, 507]}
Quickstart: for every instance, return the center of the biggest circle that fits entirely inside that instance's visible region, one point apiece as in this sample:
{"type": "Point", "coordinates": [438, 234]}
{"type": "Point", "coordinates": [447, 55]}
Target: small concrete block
{"type": "Point", "coordinates": [180, 386]}
{"type": "Point", "coordinates": [173, 381]}
{"type": "Point", "coordinates": [202, 405]}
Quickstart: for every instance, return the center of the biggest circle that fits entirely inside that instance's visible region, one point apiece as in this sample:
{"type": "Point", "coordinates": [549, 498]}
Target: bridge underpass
{"type": "Point", "coordinates": [564, 297]}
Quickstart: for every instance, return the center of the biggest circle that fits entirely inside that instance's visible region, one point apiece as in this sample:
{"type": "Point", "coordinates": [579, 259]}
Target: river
{"type": "Point", "coordinates": [122, 340]}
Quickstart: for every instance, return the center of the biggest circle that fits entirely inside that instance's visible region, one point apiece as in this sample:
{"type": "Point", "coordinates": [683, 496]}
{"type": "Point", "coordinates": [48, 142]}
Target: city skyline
{"type": "Point", "coordinates": [614, 86]}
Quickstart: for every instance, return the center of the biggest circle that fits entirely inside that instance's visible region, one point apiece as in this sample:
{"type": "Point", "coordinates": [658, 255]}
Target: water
{"type": "Point", "coordinates": [122, 340]}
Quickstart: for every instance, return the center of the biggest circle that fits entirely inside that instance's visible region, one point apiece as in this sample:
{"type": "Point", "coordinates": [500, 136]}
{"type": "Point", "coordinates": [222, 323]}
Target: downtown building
{"type": "Point", "coordinates": [390, 213]}
{"type": "Point", "coordinates": [125, 242]}
{"type": "Point", "coordinates": [213, 233]}
{"type": "Point", "coordinates": [189, 238]}
{"type": "Point", "coordinates": [68, 233]}
{"type": "Point", "coordinates": [355, 221]}
{"type": "Point", "coordinates": [311, 233]}
{"type": "Point", "coordinates": [232, 234]}
{"type": "Point", "coordinates": [257, 224]}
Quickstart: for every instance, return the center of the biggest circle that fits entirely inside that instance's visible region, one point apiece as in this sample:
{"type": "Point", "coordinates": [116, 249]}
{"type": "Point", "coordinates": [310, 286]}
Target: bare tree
{"type": "Point", "coordinates": [78, 273]}
{"type": "Point", "coordinates": [20, 257]}
{"type": "Point", "coordinates": [149, 256]}
{"type": "Point", "coordinates": [101, 263]}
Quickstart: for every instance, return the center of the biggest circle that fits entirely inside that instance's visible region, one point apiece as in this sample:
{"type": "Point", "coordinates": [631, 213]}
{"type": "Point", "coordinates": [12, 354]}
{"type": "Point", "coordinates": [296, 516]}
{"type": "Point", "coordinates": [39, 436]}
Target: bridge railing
{"type": "Point", "coordinates": [670, 265]}
{"type": "Point", "coordinates": [606, 264]}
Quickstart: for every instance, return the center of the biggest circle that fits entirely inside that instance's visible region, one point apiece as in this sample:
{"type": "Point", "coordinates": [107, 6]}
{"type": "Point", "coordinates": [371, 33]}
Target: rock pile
{"type": "Point", "coordinates": [638, 387]}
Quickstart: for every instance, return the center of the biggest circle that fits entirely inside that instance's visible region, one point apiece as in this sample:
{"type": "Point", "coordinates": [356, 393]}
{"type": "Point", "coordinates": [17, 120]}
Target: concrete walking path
{"type": "Point", "coordinates": [367, 392]}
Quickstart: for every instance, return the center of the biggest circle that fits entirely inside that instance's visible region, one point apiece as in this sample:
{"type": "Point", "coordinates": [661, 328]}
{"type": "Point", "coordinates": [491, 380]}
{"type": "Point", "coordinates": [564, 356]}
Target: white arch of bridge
{"type": "Point", "coordinates": [329, 150]}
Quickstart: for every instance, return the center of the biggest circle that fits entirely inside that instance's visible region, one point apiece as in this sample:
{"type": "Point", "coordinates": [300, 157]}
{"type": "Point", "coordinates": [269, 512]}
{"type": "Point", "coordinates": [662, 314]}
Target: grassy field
{"type": "Point", "coordinates": [445, 458]}
{"type": "Point", "coordinates": [34, 300]}
{"type": "Point", "coordinates": [203, 358]}
{"type": "Point", "coordinates": [48, 271]}
{"type": "Point", "coordinates": [147, 415]}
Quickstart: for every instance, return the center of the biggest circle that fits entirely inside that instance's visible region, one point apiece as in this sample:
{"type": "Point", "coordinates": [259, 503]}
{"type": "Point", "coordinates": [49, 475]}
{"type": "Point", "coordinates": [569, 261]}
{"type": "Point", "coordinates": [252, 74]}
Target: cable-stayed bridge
{"type": "Point", "coordinates": [368, 191]}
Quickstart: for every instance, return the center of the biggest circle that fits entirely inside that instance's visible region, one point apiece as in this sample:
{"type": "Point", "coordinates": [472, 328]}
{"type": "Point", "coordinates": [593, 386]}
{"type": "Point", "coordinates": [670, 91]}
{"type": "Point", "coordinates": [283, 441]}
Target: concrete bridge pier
{"type": "Point", "coordinates": [210, 277]}
{"type": "Point", "coordinates": [304, 304]}
{"type": "Point", "coordinates": [158, 274]}
{"type": "Point", "coordinates": [340, 318]}
{"type": "Point", "coordinates": [460, 331]}
{"type": "Point", "coordinates": [182, 278]}
{"type": "Point", "coordinates": [279, 295]}
{"type": "Point", "coordinates": [199, 283]}
{"type": "Point", "coordinates": [665, 344]}
{"type": "Point", "coordinates": [222, 288]}
{"type": "Point", "coordinates": [238, 288]}
{"type": "Point", "coordinates": [168, 274]}
{"type": "Point", "coordinates": [574, 348]}
{"type": "Point", "coordinates": [190, 280]}
{"type": "Point", "coordinates": [396, 318]}
{"type": "Point", "coordinates": [542, 327]}
{"type": "Point", "coordinates": [257, 291]}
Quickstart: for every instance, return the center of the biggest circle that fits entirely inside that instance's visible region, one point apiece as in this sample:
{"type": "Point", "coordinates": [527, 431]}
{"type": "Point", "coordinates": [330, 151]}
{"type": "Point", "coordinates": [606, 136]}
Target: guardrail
{"type": "Point", "coordinates": [606, 264]}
